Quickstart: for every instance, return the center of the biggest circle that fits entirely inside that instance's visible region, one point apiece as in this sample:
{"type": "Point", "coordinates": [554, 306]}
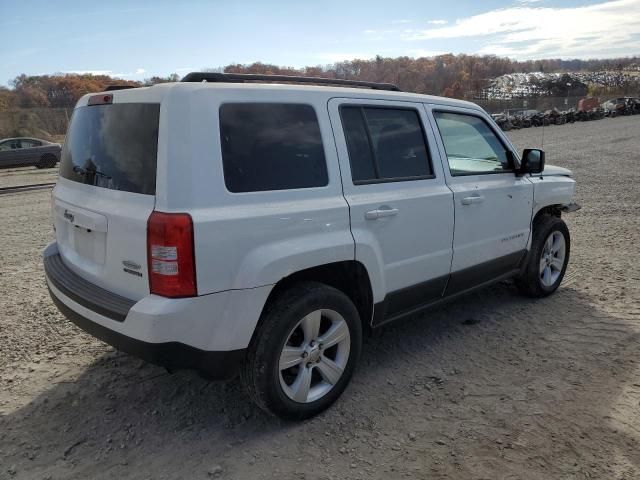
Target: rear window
{"type": "Point", "coordinates": [113, 146]}
{"type": "Point", "coordinates": [271, 146]}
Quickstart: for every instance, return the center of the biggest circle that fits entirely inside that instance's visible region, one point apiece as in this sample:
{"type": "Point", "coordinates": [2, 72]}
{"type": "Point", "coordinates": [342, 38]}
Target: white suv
{"type": "Point", "coordinates": [227, 225]}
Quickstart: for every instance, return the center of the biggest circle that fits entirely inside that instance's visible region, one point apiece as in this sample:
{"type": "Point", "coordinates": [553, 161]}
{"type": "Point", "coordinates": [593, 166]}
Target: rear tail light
{"type": "Point", "coordinates": [170, 255]}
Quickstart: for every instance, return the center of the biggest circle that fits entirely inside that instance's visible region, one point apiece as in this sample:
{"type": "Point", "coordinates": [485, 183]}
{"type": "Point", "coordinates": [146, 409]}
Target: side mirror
{"type": "Point", "coordinates": [532, 161]}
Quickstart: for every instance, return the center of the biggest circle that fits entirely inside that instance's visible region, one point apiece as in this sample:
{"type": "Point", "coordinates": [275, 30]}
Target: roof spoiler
{"type": "Point", "coordinates": [111, 88]}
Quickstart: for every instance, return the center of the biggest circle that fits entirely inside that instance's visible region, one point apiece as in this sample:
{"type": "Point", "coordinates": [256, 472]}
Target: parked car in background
{"type": "Point", "coordinates": [25, 152]}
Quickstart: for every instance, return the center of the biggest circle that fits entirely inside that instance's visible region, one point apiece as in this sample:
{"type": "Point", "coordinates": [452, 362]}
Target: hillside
{"type": "Point", "coordinates": [463, 76]}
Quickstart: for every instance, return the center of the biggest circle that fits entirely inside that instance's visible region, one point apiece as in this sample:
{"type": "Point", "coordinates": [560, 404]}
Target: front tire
{"type": "Point", "coordinates": [548, 258]}
{"type": "Point", "coordinates": [304, 351]}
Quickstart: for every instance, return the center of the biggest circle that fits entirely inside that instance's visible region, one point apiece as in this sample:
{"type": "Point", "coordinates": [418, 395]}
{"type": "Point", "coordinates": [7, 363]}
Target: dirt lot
{"type": "Point", "coordinates": [494, 386]}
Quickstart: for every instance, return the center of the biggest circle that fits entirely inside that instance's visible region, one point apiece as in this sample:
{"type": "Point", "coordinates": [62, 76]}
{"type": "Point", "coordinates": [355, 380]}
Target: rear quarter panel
{"type": "Point", "coordinates": [245, 240]}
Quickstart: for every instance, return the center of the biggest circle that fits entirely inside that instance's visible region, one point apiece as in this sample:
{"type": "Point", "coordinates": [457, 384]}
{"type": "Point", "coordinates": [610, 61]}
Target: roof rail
{"type": "Point", "coordinates": [111, 88]}
{"type": "Point", "coordinates": [250, 77]}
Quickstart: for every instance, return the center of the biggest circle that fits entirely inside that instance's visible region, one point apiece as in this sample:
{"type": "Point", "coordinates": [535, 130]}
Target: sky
{"type": "Point", "coordinates": [137, 39]}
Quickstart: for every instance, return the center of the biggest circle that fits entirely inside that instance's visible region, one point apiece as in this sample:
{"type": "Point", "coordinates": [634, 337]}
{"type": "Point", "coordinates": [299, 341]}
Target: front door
{"type": "Point", "coordinates": [493, 206]}
{"type": "Point", "coordinates": [401, 208]}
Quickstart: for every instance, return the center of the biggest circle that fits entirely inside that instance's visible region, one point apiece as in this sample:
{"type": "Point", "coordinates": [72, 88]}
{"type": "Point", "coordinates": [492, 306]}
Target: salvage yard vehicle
{"type": "Point", "coordinates": [27, 152]}
{"type": "Point", "coordinates": [250, 224]}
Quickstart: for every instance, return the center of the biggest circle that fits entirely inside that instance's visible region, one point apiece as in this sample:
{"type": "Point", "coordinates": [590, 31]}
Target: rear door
{"type": "Point", "coordinates": [493, 206]}
{"type": "Point", "coordinates": [106, 192]}
{"type": "Point", "coordinates": [401, 209]}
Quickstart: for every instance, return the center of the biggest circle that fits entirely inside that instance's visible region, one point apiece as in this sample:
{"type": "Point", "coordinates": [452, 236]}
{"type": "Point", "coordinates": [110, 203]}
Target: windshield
{"type": "Point", "coordinates": [113, 146]}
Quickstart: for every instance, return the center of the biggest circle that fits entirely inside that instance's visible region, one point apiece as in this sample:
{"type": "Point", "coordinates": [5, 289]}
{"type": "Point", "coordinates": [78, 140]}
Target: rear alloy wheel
{"type": "Point", "coordinates": [304, 351]}
{"type": "Point", "coordinates": [548, 258]}
{"type": "Point", "coordinates": [314, 356]}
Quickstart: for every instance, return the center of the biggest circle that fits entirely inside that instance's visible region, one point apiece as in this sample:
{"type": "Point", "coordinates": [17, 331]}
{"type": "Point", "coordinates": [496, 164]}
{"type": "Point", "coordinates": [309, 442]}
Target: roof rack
{"type": "Point", "coordinates": [111, 88]}
{"type": "Point", "coordinates": [249, 77]}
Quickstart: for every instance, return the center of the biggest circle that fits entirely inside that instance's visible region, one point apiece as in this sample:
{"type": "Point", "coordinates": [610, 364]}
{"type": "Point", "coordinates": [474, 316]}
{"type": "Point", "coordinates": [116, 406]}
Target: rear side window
{"type": "Point", "coordinates": [385, 144]}
{"type": "Point", "coordinates": [271, 146]}
{"type": "Point", "coordinates": [113, 146]}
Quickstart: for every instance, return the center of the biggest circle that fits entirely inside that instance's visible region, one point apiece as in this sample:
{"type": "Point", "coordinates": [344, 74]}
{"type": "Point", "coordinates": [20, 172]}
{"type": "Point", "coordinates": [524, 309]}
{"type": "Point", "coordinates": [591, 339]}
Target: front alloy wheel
{"type": "Point", "coordinates": [552, 259]}
{"type": "Point", "coordinates": [547, 260]}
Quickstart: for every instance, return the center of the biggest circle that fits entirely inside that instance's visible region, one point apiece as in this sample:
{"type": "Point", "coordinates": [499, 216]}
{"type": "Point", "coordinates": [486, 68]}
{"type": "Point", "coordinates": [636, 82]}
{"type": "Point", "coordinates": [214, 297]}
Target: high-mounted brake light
{"type": "Point", "coordinates": [170, 255]}
{"type": "Point", "coordinates": [103, 99]}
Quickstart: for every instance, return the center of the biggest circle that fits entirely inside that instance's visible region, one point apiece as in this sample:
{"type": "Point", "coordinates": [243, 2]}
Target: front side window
{"type": "Point", "coordinates": [271, 146]}
{"type": "Point", "coordinates": [472, 147]}
{"type": "Point", "coordinates": [385, 144]}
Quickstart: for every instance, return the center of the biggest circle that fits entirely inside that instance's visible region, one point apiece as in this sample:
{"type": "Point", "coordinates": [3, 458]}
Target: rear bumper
{"type": "Point", "coordinates": [173, 355]}
{"type": "Point", "coordinates": [209, 333]}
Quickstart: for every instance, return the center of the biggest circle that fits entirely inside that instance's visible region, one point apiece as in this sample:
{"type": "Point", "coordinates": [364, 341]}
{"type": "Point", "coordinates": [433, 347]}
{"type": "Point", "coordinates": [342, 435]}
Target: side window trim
{"type": "Point", "coordinates": [376, 165]}
{"type": "Point", "coordinates": [373, 181]}
{"type": "Point", "coordinates": [510, 153]}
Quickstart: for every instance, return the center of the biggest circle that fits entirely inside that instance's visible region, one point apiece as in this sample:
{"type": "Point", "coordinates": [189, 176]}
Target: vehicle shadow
{"type": "Point", "coordinates": [544, 378]}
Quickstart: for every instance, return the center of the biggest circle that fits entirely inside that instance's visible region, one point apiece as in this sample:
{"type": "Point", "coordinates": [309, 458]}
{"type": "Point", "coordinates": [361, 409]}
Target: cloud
{"type": "Point", "coordinates": [419, 52]}
{"type": "Point", "coordinates": [138, 72]}
{"type": "Point", "coordinates": [526, 32]}
{"type": "Point", "coordinates": [437, 22]}
{"type": "Point", "coordinates": [398, 22]}
{"type": "Point", "coordinates": [88, 72]}
{"type": "Point", "coordinates": [341, 57]}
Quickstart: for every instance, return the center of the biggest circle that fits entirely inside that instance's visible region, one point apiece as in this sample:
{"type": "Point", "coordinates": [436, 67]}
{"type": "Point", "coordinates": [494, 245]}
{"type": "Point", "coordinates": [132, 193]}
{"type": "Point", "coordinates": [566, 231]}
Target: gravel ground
{"type": "Point", "coordinates": [494, 386]}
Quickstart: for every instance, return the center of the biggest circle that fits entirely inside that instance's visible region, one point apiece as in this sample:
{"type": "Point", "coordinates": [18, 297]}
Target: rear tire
{"type": "Point", "coordinates": [322, 362]}
{"type": "Point", "coordinates": [548, 258]}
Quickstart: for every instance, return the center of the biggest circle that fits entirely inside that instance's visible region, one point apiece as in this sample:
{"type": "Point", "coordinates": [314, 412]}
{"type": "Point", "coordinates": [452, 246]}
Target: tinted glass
{"type": "Point", "coordinates": [360, 153]}
{"type": "Point", "coordinates": [385, 144]}
{"type": "Point", "coordinates": [113, 146]}
{"type": "Point", "coordinates": [398, 142]}
{"type": "Point", "coordinates": [471, 146]}
{"type": "Point", "coordinates": [269, 146]}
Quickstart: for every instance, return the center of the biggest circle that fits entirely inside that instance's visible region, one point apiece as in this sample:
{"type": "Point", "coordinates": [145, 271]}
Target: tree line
{"type": "Point", "coordinates": [450, 75]}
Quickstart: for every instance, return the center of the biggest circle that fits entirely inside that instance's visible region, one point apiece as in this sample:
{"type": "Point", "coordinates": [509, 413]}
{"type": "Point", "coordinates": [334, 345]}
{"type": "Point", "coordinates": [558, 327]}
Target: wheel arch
{"type": "Point", "coordinates": [551, 210]}
{"type": "Point", "coordinates": [350, 277]}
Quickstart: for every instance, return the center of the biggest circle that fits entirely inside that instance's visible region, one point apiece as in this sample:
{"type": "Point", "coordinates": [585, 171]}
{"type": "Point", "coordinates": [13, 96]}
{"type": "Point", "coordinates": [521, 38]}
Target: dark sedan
{"type": "Point", "coordinates": [24, 152]}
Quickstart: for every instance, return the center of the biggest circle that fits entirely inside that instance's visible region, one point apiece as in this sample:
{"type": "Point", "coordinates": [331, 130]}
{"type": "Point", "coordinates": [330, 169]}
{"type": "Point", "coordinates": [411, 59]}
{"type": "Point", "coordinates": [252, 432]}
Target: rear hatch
{"type": "Point", "coordinates": [106, 192]}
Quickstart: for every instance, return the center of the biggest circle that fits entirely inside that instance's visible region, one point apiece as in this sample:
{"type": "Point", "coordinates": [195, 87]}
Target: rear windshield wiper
{"type": "Point", "coordinates": [84, 171]}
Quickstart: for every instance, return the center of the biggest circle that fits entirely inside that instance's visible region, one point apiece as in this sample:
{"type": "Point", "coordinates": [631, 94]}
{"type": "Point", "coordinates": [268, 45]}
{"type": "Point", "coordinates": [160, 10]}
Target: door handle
{"type": "Point", "coordinates": [380, 212]}
{"type": "Point", "coordinates": [472, 199]}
